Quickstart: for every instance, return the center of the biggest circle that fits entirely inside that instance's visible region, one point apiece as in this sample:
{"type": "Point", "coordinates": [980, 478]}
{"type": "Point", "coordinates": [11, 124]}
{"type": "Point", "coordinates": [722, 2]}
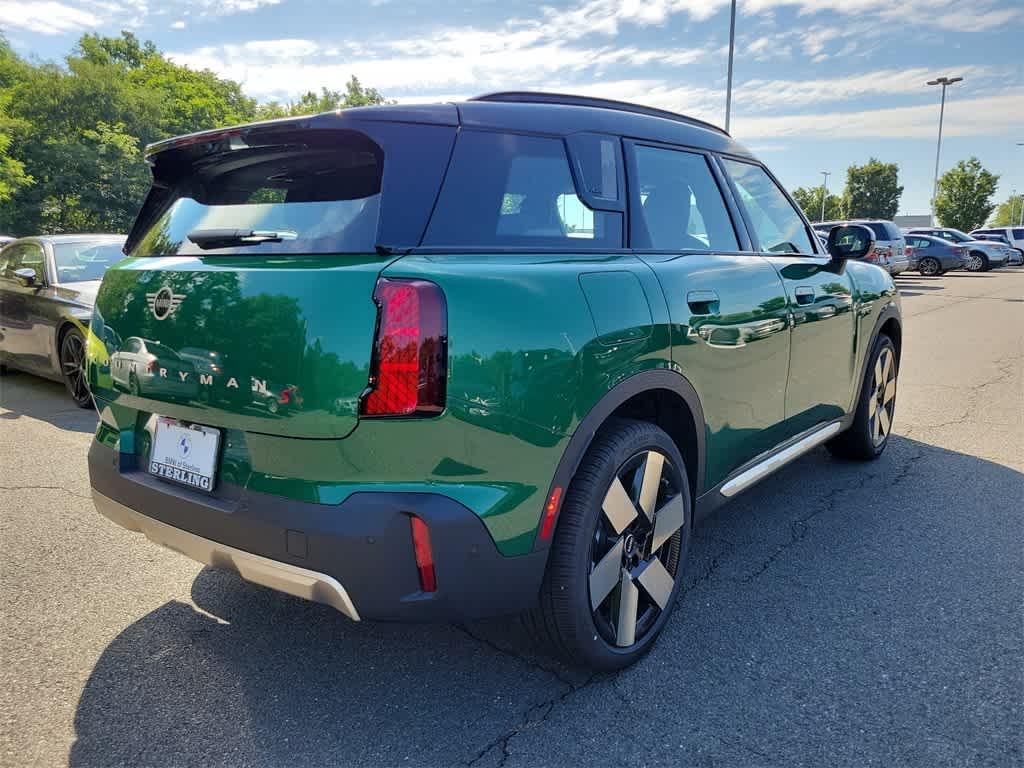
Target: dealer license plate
{"type": "Point", "coordinates": [185, 454]}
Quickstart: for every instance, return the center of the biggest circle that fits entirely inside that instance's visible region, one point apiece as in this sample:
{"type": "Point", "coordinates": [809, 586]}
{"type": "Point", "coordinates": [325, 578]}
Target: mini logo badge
{"type": "Point", "coordinates": [164, 302]}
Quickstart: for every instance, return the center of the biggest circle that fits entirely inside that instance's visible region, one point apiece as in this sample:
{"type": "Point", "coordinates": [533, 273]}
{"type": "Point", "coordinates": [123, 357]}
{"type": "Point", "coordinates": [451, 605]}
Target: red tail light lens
{"type": "Point", "coordinates": [151, 366]}
{"type": "Point", "coordinates": [409, 373]}
{"type": "Point", "coordinates": [424, 554]}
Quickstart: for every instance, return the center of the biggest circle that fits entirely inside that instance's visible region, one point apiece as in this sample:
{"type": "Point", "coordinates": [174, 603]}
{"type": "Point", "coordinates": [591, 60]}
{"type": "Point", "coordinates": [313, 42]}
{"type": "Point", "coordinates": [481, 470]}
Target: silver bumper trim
{"type": "Point", "coordinates": [284, 577]}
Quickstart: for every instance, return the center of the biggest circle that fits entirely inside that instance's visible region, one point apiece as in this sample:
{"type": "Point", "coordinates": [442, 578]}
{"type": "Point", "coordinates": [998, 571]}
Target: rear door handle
{"type": "Point", "coordinates": [804, 294]}
{"type": "Point", "coordinates": [703, 302]}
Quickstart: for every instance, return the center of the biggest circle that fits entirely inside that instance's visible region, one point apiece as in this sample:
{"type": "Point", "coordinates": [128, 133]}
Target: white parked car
{"type": "Point", "coordinates": [1012, 236]}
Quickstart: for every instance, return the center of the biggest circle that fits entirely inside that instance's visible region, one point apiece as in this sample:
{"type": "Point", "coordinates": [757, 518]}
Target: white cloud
{"type": "Point", "coordinates": [179, 24]}
{"type": "Point", "coordinates": [994, 115]}
{"type": "Point", "coordinates": [45, 17]}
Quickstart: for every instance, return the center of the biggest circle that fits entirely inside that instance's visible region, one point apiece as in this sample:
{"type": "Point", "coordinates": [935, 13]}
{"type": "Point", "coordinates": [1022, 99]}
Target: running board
{"type": "Point", "coordinates": [778, 460]}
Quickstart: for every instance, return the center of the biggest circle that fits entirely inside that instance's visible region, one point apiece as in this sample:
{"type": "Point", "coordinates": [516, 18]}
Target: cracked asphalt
{"type": "Point", "coordinates": [836, 615]}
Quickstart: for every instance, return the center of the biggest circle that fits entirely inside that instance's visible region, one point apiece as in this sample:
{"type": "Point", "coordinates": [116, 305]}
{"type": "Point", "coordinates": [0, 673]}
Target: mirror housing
{"type": "Point", "coordinates": [26, 276]}
{"type": "Point", "coordinates": [850, 241]}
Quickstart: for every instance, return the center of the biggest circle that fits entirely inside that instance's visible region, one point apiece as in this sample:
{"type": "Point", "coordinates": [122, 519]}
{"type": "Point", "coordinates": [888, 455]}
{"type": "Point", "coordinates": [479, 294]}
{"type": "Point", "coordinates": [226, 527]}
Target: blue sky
{"type": "Point", "coordinates": [819, 84]}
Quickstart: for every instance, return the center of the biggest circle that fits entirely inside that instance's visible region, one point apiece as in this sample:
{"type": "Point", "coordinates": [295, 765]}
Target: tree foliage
{"type": "Point", "coordinates": [72, 135]}
{"type": "Point", "coordinates": [809, 199]}
{"type": "Point", "coordinates": [964, 198]}
{"type": "Point", "coordinates": [1009, 212]}
{"type": "Point", "coordinates": [872, 190]}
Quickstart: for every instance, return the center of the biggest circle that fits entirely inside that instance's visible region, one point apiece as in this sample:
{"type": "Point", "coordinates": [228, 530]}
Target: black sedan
{"type": "Point", "coordinates": [935, 255]}
{"type": "Point", "coordinates": [47, 289]}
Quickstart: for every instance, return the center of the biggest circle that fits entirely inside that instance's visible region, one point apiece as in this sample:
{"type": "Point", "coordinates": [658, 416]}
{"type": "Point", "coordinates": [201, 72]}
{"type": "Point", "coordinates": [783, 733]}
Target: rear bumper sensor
{"type": "Point", "coordinates": [301, 582]}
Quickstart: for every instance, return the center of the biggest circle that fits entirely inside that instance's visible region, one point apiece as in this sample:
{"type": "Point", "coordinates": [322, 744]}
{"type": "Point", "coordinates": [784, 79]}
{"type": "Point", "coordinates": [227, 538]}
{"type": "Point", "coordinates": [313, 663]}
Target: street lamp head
{"type": "Point", "coordinates": [944, 81]}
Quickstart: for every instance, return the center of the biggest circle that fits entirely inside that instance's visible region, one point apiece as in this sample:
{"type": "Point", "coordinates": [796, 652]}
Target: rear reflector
{"type": "Point", "coordinates": [550, 513]}
{"type": "Point", "coordinates": [424, 554]}
{"type": "Point", "coordinates": [409, 370]}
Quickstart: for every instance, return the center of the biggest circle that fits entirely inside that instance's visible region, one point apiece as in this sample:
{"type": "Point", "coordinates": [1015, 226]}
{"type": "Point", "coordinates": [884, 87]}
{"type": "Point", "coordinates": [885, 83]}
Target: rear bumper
{"type": "Point", "coordinates": [356, 556]}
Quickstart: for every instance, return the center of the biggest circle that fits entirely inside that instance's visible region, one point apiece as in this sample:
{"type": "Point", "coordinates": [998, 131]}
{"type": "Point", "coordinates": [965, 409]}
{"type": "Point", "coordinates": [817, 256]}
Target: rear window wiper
{"type": "Point", "coordinates": [225, 238]}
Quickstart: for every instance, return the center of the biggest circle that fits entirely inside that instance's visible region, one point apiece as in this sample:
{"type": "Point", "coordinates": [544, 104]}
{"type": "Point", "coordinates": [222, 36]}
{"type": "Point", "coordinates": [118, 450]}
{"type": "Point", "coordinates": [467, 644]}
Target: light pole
{"type": "Point", "coordinates": [732, 47]}
{"type": "Point", "coordinates": [944, 82]}
{"type": "Point", "coordinates": [824, 192]}
{"type": "Point", "coordinates": [1019, 144]}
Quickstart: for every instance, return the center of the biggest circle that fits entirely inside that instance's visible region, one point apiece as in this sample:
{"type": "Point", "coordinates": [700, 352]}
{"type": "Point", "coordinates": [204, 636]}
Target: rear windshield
{"type": "Point", "coordinates": [884, 231]}
{"type": "Point", "coordinates": [294, 199]}
{"type": "Point", "coordinates": [511, 190]}
{"type": "Point", "coordinates": [86, 260]}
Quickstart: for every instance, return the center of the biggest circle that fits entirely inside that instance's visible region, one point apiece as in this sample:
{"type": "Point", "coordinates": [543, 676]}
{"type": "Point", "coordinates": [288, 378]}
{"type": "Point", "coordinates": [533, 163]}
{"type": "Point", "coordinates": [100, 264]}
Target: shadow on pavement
{"type": "Point", "coordinates": [820, 607]}
{"type": "Point", "coordinates": [22, 394]}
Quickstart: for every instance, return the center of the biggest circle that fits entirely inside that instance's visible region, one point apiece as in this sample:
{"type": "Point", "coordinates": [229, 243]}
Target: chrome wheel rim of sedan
{"type": "Point", "coordinates": [929, 266]}
{"type": "Point", "coordinates": [974, 263]}
{"type": "Point", "coordinates": [883, 397]}
{"type": "Point", "coordinates": [72, 363]}
{"type": "Point", "coordinates": [635, 552]}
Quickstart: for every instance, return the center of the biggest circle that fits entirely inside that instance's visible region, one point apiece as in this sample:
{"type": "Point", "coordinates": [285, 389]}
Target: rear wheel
{"type": "Point", "coordinates": [72, 367]}
{"type": "Point", "coordinates": [929, 266]}
{"type": "Point", "coordinates": [616, 562]}
{"type": "Point", "coordinates": [869, 434]}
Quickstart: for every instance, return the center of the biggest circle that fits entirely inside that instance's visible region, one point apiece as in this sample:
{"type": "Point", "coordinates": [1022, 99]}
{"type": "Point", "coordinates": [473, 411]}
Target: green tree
{"type": "Point", "coordinates": [964, 199]}
{"type": "Point", "coordinates": [311, 103]}
{"type": "Point", "coordinates": [872, 190]}
{"type": "Point", "coordinates": [1008, 213]}
{"type": "Point", "coordinates": [12, 170]}
{"type": "Point", "coordinates": [809, 199]}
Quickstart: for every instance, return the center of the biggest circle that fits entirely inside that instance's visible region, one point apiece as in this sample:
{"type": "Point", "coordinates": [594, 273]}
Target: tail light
{"type": "Point", "coordinates": [424, 554]}
{"type": "Point", "coordinates": [408, 374]}
{"type": "Point", "coordinates": [151, 366]}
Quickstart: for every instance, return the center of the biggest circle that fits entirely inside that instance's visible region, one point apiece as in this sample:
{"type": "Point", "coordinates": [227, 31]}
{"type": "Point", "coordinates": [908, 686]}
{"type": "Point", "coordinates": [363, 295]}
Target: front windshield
{"type": "Point", "coordinates": [959, 236]}
{"type": "Point", "coordinates": [85, 259]}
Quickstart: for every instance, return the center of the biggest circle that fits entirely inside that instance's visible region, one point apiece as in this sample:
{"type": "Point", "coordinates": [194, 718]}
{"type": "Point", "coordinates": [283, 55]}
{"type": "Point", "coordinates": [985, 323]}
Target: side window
{"type": "Point", "coordinates": [776, 222]}
{"type": "Point", "coordinates": [681, 205]}
{"type": "Point", "coordinates": [512, 190]}
{"type": "Point", "coordinates": [1018, 234]}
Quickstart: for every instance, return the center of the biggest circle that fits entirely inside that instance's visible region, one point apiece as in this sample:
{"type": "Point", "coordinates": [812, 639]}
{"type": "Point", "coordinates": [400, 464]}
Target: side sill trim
{"type": "Point", "coordinates": [776, 461]}
{"type": "Point", "coordinates": [284, 577]}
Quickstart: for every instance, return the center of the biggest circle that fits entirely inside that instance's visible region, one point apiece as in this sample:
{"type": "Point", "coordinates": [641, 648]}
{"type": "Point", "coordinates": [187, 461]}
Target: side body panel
{"type": "Point", "coordinates": [823, 358]}
{"type": "Point", "coordinates": [734, 350]}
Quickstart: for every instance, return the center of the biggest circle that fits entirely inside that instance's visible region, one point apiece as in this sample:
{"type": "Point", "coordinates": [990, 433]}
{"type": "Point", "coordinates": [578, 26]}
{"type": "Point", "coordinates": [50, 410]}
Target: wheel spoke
{"type": "Point", "coordinates": [625, 632]}
{"type": "Point", "coordinates": [890, 391]}
{"type": "Point", "coordinates": [883, 422]}
{"type": "Point", "coordinates": [668, 520]}
{"type": "Point", "coordinates": [651, 482]}
{"type": "Point", "coordinates": [605, 575]}
{"type": "Point", "coordinates": [656, 581]}
{"type": "Point", "coordinates": [878, 373]}
{"type": "Point", "coordinates": [872, 405]}
{"type": "Point", "coordinates": [618, 507]}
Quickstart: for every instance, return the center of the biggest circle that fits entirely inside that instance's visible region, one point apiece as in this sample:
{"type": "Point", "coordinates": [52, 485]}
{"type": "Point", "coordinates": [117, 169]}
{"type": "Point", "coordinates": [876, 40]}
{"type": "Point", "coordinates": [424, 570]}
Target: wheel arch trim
{"type": "Point", "coordinates": [646, 381]}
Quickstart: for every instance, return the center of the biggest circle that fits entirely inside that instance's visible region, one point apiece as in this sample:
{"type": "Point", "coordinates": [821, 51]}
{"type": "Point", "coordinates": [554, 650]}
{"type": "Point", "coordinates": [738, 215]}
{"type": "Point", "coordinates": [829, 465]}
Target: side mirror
{"type": "Point", "coordinates": [26, 276]}
{"type": "Point", "coordinates": [850, 241]}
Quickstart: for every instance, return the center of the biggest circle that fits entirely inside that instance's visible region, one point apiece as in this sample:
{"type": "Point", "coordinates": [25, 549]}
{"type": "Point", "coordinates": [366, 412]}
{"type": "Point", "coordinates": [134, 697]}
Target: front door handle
{"type": "Point", "coordinates": [703, 302]}
{"type": "Point", "coordinates": [804, 294]}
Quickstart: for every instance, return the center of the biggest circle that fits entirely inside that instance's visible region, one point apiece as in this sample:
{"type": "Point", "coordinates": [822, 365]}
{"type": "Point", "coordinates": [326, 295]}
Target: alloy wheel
{"type": "Point", "coordinates": [974, 263]}
{"type": "Point", "coordinates": [929, 267]}
{"type": "Point", "coordinates": [883, 397]}
{"type": "Point", "coordinates": [72, 363]}
{"type": "Point", "coordinates": [636, 548]}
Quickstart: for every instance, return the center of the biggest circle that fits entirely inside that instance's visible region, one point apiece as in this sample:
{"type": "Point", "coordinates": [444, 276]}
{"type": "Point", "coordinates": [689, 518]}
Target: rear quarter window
{"type": "Point", "coordinates": [507, 190]}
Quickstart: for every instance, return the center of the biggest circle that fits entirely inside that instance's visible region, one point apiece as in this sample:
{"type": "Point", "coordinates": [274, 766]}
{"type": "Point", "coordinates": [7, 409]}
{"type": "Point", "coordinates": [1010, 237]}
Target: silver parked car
{"type": "Point", "coordinates": [890, 247]}
{"type": "Point", "coordinates": [983, 255]}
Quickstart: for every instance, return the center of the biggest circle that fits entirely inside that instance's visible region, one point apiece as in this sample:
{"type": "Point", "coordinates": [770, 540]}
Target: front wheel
{"type": "Point", "coordinates": [616, 563]}
{"type": "Point", "coordinates": [867, 437]}
{"type": "Point", "coordinates": [977, 262]}
{"type": "Point", "coordinates": [72, 367]}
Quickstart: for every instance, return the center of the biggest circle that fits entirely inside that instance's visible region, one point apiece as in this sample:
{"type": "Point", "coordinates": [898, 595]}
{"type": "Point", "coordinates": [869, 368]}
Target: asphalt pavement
{"type": "Point", "coordinates": [838, 614]}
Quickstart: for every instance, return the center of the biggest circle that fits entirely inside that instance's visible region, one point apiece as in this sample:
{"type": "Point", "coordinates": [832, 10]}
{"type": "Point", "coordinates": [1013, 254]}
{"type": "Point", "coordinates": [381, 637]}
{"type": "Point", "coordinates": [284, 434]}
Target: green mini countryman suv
{"type": "Point", "coordinates": [450, 361]}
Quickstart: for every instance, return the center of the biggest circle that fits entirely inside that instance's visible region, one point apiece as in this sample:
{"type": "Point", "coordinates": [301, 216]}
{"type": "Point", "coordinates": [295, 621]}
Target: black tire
{"type": "Point", "coordinates": [586, 538]}
{"type": "Point", "coordinates": [867, 437]}
{"type": "Point", "coordinates": [978, 262]}
{"type": "Point", "coordinates": [72, 367]}
{"type": "Point", "coordinates": [929, 267]}
{"type": "Point", "coordinates": [134, 388]}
